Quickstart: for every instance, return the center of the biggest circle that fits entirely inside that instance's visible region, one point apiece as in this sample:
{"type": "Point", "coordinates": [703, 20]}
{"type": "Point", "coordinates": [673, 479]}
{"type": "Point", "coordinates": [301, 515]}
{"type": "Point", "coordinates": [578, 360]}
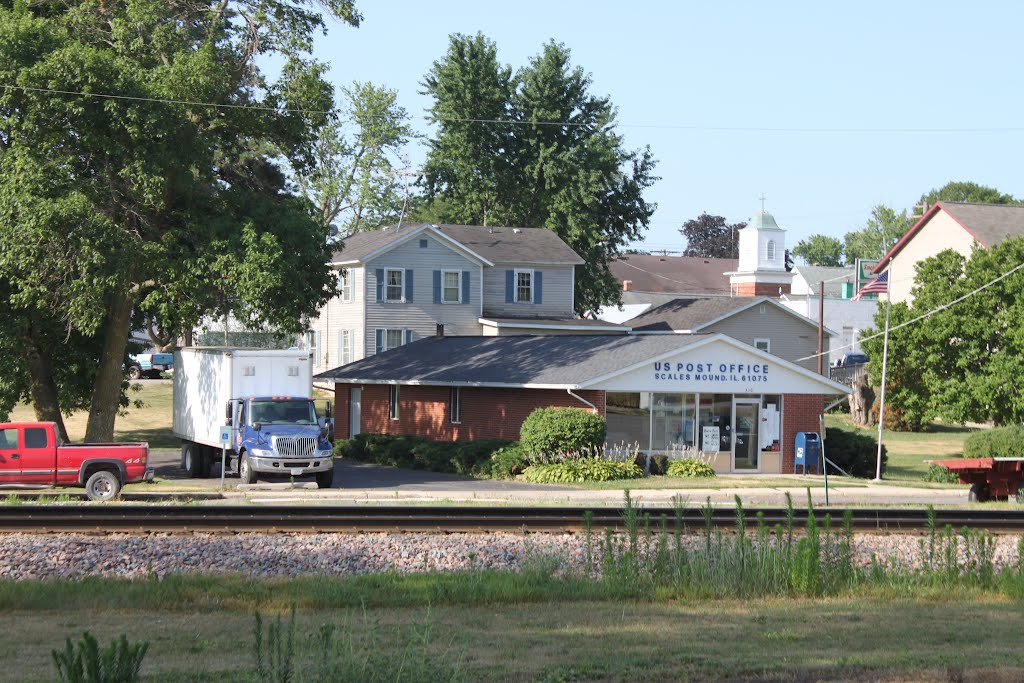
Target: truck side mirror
{"type": "Point", "coordinates": [227, 413]}
{"type": "Point", "coordinates": [257, 426]}
{"type": "Point", "coordinates": [327, 411]}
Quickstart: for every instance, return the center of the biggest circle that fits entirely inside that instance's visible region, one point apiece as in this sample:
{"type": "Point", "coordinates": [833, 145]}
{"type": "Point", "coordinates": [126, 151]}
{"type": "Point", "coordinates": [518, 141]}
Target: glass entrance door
{"type": "Point", "coordinates": [746, 446]}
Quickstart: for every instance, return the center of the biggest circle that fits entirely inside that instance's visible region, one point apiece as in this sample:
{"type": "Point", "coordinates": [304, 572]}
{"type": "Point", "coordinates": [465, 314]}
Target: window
{"type": "Point", "coordinates": [451, 286]}
{"type": "Point", "coordinates": [8, 438]}
{"type": "Point", "coordinates": [345, 347]}
{"type": "Point", "coordinates": [35, 437]}
{"type": "Point", "coordinates": [313, 346]}
{"type": "Point", "coordinates": [763, 345]}
{"type": "Point", "coordinates": [393, 339]}
{"type": "Point", "coordinates": [771, 250]}
{"type": "Point", "coordinates": [455, 405]}
{"type": "Point", "coordinates": [423, 244]}
{"type": "Point", "coordinates": [346, 286]}
{"type": "Point", "coordinates": [393, 284]}
{"type": "Point", "coordinates": [393, 402]}
{"type": "Point", "coordinates": [524, 287]}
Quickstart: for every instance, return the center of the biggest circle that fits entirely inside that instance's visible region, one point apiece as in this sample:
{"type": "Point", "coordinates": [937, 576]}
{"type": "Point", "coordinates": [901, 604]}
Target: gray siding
{"type": "Point", "coordinates": [790, 338]}
{"type": "Point", "coordinates": [422, 315]}
{"type": "Point", "coordinates": [336, 316]}
{"type": "Point", "coordinates": [556, 290]}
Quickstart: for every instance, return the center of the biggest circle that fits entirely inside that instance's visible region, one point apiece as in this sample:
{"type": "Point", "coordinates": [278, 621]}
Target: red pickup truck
{"type": "Point", "coordinates": [31, 456]}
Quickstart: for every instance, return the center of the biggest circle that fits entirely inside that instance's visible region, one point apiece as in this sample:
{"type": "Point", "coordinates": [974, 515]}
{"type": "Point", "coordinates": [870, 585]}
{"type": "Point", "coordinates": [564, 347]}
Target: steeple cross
{"type": "Point", "coordinates": [762, 198]}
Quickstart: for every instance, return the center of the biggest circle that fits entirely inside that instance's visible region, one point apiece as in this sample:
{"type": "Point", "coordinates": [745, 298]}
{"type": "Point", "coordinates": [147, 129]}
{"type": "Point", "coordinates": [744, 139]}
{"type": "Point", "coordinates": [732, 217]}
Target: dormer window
{"type": "Point", "coordinates": [771, 250]}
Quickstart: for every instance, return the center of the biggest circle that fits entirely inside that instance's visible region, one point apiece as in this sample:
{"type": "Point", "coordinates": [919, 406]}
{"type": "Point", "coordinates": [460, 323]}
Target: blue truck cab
{"type": "Point", "coordinates": [281, 435]}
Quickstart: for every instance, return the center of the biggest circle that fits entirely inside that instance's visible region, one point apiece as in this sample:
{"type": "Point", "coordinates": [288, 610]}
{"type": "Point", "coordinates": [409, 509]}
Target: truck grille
{"type": "Point", "coordinates": [303, 446]}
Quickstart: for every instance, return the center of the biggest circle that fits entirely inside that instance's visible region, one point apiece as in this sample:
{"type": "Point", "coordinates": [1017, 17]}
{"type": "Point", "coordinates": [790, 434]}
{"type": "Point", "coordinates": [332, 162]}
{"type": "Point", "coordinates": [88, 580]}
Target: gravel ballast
{"type": "Point", "coordinates": [35, 556]}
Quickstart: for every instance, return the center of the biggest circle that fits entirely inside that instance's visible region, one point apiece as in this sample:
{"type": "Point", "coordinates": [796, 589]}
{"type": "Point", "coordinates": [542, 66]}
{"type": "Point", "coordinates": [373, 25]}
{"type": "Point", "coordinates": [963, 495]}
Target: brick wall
{"type": "Point", "coordinates": [487, 413]}
{"type": "Point", "coordinates": [760, 289]}
{"type": "Point", "coordinates": [800, 414]}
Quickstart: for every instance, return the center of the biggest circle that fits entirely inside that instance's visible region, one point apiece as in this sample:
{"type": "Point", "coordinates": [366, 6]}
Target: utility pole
{"type": "Point", "coordinates": [405, 174]}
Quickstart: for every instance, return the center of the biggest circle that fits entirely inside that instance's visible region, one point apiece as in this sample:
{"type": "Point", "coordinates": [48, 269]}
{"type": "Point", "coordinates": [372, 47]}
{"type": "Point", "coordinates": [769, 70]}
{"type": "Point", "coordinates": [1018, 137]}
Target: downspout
{"type": "Point", "coordinates": [583, 400]}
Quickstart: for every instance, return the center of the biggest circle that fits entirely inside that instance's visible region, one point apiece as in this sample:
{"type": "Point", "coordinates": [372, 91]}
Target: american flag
{"type": "Point", "coordinates": [877, 285]}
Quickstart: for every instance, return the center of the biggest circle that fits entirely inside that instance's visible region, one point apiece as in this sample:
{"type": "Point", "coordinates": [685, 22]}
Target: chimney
{"type": "Point", "coordinates": [440, 331]}
{"type": "Point", "coordinates": [627, 285]}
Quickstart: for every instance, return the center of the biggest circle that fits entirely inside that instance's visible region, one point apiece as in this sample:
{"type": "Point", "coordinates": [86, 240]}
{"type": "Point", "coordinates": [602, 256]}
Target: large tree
{"type": "Point", "coordinates": [820, 250]}
{"type": "Point", "coordinates": [882, 231]}
{"type": "Point", "coordinates": [124, 201]}
{"type": "Point", "coordinates": [966, 191]}
{"type": "Point", "coordinates": [710, 236]}
{"type": "Point", "coordinates": [536, 149]}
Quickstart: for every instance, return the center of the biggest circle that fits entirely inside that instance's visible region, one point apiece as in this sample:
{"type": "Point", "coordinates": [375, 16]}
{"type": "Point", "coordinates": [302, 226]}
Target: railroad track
{"type": "Point", "coordinates": [406, 519]}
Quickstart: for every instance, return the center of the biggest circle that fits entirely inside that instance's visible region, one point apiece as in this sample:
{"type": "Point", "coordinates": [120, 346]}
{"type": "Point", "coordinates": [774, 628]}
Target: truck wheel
{"type": "Point", "coordinates": [245, 471]}
{"type": "Point", "coordinates": [102, 485]}
{"type": "Point", "coordinates": [325, 479]}
{"type": "Point", "coordinates": [205, 461]}
{"type": "Point", "coordinates": [190, 459]}
{"type": "Point", "coordinates": [979, 493]}
{"type": "Point", "coordinates": [134, 372]}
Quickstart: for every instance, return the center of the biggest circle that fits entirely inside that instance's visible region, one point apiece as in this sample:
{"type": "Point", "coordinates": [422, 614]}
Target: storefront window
{"type": "Point", "coordinates": [628, 418]}
{"type": "Point", "coordinates": [671, 421]}
{"type": "Point", "coordinates": [714, 422]}
{"type": "Point", "coordinates": [771, 422]}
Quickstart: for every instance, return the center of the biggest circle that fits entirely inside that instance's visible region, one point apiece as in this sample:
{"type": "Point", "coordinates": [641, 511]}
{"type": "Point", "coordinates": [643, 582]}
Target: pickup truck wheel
{"type": "Point", "coordinates": [103, 485]}
{"type": "Point", "coordinates": [134, 372]}
{"type": "Point", "coordinates": [245, 471]}
{"type": "Point", "coordinates": [979, 493]}
{"type": "Point", "coordinates": [325, 479]}
{"type": "Point", "coordinates": [190, 459]}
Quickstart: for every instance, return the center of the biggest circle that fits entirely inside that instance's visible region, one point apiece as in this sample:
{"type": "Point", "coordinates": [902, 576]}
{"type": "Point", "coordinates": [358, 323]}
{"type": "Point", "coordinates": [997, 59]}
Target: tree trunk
{"type": "Point", "coordinates": [106, 391]}
{"type": "Point", "coordinates": [861, 399]}
{"type": "Point", "coordinates": [42, 387]}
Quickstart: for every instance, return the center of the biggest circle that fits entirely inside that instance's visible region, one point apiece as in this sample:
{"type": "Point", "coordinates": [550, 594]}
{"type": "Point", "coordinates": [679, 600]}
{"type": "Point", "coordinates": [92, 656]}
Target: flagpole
{"type": "Point", "coordinates": [885, 363]}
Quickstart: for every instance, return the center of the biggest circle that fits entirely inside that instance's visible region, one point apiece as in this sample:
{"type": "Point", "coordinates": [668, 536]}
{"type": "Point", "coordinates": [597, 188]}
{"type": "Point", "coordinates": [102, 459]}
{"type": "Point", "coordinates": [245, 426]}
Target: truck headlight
{"type": "Point", "coordinates": [326, 454]}
{"type": "Point", "coordinates": [262, 452]}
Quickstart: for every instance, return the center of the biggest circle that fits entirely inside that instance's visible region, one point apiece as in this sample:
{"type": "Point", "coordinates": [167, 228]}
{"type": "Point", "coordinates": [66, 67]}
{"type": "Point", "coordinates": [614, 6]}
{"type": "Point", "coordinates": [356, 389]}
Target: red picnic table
{"type": "Point", "coordinates": [990, 478]}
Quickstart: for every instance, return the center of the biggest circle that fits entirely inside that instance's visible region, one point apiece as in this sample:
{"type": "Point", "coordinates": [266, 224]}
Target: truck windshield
{"type": "Point", "coordinates": [282, 412]}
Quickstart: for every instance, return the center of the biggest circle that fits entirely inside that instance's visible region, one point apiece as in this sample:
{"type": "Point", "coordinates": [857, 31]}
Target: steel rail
{"type": "Point", "coordinates": [420, 519]}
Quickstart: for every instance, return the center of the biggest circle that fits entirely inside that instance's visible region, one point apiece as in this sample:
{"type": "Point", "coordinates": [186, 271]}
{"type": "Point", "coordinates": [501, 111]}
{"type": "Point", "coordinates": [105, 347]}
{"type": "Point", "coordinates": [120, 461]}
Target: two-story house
{"type": "Point", "coordinates": [399, 284]}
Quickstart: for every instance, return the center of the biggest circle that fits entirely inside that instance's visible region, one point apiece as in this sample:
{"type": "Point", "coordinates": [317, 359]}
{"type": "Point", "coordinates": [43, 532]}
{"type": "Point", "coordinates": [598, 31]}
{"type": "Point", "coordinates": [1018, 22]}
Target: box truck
{"type": "Point", "coordinates": [262, 400]}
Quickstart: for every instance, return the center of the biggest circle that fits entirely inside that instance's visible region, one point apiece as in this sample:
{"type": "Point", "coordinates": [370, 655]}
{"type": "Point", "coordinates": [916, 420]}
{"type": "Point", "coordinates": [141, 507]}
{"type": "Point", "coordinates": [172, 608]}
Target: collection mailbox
{"type": "Point", "coordinates": [807, 451]}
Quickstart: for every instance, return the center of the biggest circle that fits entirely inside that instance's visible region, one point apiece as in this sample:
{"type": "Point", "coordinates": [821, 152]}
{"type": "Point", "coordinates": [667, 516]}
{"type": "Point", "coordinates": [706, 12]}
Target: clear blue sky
{"type": "Point", "coordinates": [826, 108]}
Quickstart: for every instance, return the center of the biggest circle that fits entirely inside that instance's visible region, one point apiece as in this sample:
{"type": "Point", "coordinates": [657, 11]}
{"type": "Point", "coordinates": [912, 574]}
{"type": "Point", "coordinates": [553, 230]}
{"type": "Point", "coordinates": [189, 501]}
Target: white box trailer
{"type": "Point", "coordinates": [265, 396]}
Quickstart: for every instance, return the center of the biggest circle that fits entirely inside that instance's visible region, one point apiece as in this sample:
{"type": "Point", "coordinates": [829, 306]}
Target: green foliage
{"type": "Point", "coordinates": [1001, 442]}
{"type": "Point", "coordinates": [579, 470]}
{"type": "Point", "coordinates": [940, 475]}
{"type": "Point", "coordinates": [882, 231]}
{"type": "Point", "coordinates": [710, 236]}
{"type": "Point", "coordinates": [86, 663]}
{"type": "Point", "coordinates": [959, 191]}
{"type": "Point", "coordinates": [820, 250]}
{"type": "Point", "coordinates": [509, 461]}
{"type": "Point", "coordinates": [578, 180]}
{"type": "Point", "coordinates": [689, 467]}
{"type": "Point", "coordinates": [274, 652]}
{"type": "Point", "coordinates": [472, 458]}
{"type": "Point", "coordinates": [548, 431]}
{"type": "Point", "coordinates": [855, 452]}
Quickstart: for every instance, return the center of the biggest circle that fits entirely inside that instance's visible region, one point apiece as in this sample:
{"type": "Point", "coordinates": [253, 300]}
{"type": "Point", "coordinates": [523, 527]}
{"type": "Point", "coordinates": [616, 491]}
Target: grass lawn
{"type": "Point", "coordinates": [587, 640]}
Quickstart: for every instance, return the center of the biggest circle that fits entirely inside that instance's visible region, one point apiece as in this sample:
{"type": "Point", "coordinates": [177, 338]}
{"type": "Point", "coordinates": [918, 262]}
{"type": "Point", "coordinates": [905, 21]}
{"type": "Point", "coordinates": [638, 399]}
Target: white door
{"type": "Point", "coordinates": [355, 410]}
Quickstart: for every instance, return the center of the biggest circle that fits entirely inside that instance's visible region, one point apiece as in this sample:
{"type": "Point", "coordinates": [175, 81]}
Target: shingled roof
{"type": "Point", "coordinates": [493, 244]}
{"type": "Point", "coordinates": [678, 274]}
{"type": "Point", "coordinates": [695, 314]}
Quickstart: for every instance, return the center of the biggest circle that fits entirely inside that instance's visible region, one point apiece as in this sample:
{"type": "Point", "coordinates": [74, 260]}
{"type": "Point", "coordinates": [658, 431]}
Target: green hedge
{"type": "Point", "coordinates": [1001, 442]}
{"type": "Point", "coordinates": [509, 461]}
{"type": "Point", "coordinates": [689, 467]}
{"type": "Point", "coordinates": [472, 458]}
{"type": "Point", "coordinates": [579, 470]}
{"type": "Point", "coordinates": [855, 452]}
{"type": "Point", "coordinates": [550, 431]}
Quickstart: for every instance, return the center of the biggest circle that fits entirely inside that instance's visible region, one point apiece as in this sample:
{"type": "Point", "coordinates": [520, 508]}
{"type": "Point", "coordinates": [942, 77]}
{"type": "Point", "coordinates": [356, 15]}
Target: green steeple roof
{"type": "Point", "coordinates": [762, 220]}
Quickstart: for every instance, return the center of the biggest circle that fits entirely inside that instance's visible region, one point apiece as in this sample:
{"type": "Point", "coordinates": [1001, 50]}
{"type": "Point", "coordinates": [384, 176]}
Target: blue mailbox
{"type": "Point", "coordinates": [807, 451]}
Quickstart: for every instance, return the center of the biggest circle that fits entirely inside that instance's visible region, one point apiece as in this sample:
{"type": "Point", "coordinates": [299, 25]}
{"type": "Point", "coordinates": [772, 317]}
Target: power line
{"type": "Point", "coordinates": [650, 126]}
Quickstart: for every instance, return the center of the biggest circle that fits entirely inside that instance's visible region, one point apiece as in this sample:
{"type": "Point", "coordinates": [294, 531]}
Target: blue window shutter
{"type": "Point", "coordinates": [380, 341]}
{"type": "Point", "coordinates": [538, 287]}
{"type": "Point", "coordinates": [408, 285]}
{"type": "Point", "coordinates": [437, 286]}
{"type": "Point", "coordinates": [380, 284]}
{"type": "Point", "coordinates": [465, 286]}
{"type": "Point", "coordinates": [510, 286]}
{"type": "Point", "coordinates": [408, 336]}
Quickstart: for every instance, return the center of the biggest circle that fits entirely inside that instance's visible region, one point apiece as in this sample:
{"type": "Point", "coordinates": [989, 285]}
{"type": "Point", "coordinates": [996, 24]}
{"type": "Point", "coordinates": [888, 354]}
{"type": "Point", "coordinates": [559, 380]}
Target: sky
{"type": "Point", "coordinates": [825, 109]}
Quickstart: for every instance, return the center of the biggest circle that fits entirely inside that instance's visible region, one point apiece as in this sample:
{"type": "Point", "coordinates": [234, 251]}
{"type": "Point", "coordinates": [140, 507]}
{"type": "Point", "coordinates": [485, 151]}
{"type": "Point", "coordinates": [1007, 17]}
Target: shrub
{"type": "Point", "coordinates": [652, 463]}
{"type": "Point", "coordinates": [939, 474]}
{"type": "Point", "coordinates": [855, 452]}
{"type": "Point", "coordinates": [1001, 442]}
{"type": "Point", "coordinates": [119, 663]}
{"type": "Point", "coordinates": [507, 462]}
{"type": "Point", "coordinates": [561, 430]}
{"type": "Point", "coordinates": [414, 452]}
{"type": "Point", "coordinates": [579, 470]}
{"type": "Point", "coordinates": [689, 467]}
